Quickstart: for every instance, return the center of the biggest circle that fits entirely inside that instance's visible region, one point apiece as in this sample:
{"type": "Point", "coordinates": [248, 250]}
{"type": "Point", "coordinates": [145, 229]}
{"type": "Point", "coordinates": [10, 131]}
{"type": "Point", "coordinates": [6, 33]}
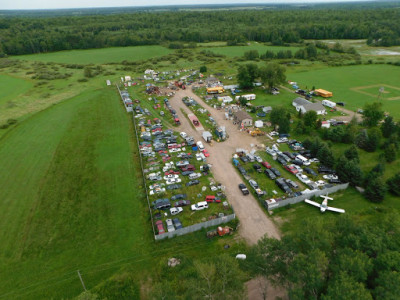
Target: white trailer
{"type": "Point", "coordinates": [207, 136]}
{"type": "Point", "coordinates": [248, 97]}
{"type": "Point", "coordinates": [328, 103]}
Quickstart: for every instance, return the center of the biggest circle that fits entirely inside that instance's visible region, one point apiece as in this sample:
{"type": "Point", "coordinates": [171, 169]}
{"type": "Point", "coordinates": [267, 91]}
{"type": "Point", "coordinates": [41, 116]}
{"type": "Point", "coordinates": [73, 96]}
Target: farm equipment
{"type": "Point", "coordinates": [256, 132]}
{"type": "Point", "coordinates": [221, 231]}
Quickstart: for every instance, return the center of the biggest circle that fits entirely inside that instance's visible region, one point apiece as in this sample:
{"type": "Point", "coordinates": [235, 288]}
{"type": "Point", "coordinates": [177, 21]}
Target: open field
{"type": "Point", "coordinates": [11, 88]}
{"type": "Point", "coordinates": [344, 82]}
{"type": "Point", "coordinates": [232, 51]}
{"type": "Point", "coordinates": [99, 56]}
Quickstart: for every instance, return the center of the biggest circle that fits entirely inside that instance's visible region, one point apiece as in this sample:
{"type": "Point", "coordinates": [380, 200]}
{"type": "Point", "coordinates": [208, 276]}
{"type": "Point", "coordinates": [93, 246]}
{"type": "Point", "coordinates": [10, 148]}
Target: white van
{"type": "Point", "coordinates": [200, 145]}
{"type": "Point", "coordinates": [303, 159]}
{"type": "Point", "coordinates": [200, 205]}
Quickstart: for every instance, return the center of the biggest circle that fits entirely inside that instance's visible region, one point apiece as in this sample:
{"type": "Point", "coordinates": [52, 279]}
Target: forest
{"type": "Point", "coordinates": [38, 34]}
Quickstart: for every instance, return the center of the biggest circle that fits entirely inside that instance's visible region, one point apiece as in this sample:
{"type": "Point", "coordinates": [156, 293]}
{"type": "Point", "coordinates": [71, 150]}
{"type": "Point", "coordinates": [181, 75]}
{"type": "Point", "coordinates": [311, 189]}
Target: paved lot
{"type": "Point", "coordinates": [254, 223]}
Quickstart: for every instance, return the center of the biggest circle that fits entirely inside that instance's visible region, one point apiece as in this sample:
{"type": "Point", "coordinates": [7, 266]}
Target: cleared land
{"type": "Point", "coordinates": [99, 56]}
{"type": "Point", "coordinates": [343, 81]}
{"type": "Point", "coordinates": [10, 89]}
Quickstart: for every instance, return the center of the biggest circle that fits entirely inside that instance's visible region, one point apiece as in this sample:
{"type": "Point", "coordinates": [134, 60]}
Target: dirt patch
{"type": "Point", "coordinates": [359, 89]}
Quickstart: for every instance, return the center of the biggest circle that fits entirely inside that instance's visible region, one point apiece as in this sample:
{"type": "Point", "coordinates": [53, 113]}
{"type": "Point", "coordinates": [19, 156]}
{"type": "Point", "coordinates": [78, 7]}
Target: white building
{"type": "Point", "coordinates": [225, 99]}
{"type": "Point", "coordinates": [304, 106]}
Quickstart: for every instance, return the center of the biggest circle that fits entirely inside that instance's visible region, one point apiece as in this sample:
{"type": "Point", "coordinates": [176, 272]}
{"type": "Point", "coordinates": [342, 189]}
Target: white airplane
{"type": "Point", "coordinates": [324, 205]}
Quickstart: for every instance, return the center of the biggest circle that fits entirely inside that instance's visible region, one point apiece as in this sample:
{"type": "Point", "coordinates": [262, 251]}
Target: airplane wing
{"type": "Point", "coordinates": [312, 203]}
{"type": "Point", "coordinates": [339, 210]}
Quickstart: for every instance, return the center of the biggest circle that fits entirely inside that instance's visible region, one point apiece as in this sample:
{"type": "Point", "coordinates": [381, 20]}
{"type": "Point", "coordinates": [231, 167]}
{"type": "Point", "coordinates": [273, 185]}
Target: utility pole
{"type": "Point", "coordinates": [83, 284]}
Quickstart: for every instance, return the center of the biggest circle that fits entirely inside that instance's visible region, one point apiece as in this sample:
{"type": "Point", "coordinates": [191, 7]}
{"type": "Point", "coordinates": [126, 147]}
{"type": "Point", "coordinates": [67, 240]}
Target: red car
{"type": "Point", "coordinates": [160, 227]}
{"type": "Point", "coordinates": [266, 164]}
{"type": "Point", "coordinates": [205, 152]}
{"type": "Point", "coordinates": [211, 198]}
{"type": "Point", "coordinates": [171, 172]}
{"type": "Point", "coordinates": [291, 169]}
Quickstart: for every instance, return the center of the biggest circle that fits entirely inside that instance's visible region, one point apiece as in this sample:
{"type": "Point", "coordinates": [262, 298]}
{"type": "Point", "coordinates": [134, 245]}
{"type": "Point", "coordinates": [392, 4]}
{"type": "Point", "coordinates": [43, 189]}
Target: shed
{"type": "Point", "coordinates": [128, 78]}
{"type": "Point", "coordinates": [323, 93]}
{"type": "Point", "coordinates": [259, 123]}
{"type": "Point", "coordinates": [243, 117]}
{"type": "Point", "coordinates": [207, 136]}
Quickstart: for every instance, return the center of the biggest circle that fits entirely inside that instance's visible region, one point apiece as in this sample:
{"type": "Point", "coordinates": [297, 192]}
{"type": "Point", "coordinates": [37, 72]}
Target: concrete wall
{"type": "Point", "coordinates": [282, 203]}
{"type": "Point", "coordinates": [196, 227]}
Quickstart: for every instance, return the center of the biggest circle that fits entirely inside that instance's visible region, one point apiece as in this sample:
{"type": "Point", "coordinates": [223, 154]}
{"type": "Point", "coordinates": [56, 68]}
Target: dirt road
{"type": "Point", "coordinates": [254, 223]}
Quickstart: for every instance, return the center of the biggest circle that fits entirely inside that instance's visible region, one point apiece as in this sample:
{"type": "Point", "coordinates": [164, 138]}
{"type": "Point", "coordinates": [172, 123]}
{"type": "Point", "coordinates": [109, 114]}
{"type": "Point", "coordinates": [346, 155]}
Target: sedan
{"type": "Point", "coordinates": [205, 152]}
{"type": "Point", "coordinates": [303, 178]}
{"type": "Point", "coordinates": [244, 189]}
{"type": "Point", "coordinates": [270, 174]}
{"type": "Point", "coordinates": [175, 210]}
{"type": "Point", "coordinates": [174, 187]}
{"type": "Point", "coordinates": [266, 164]}
{"type": "Point", "coordinates": [177, 223]}
{"type": "Point", "coordinates": [310, 171]}
{"type": "Point", "coordinates": [160, 227]}
{"type": "Point", "coordinates": [181, 203]}
{"type": "Point", "coordinates": [178, 197]}
{"type": "Point", "coordinates": [276, 172]}
{"type": "Point", "coordinates": [192, 182]}
{"type": "Point", "coordinates": [291, 169]}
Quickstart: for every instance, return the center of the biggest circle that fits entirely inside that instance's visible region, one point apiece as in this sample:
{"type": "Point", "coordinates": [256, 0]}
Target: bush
{"type": "Point", "coordinates": [4, 126]}
{"type": "Point", "coordinates": [82, 80]}
{"type": "Point", "coordinates": [11, 121]}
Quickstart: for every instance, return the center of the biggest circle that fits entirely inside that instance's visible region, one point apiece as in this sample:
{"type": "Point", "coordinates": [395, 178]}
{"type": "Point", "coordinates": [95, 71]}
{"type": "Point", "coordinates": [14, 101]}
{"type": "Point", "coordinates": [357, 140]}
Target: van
{"type": "Point", "coordinates": [200, 205]}
{"type": "Point", "coordinates": [303, 159]}
{"type": "Point", "coordinates": [200, 145]}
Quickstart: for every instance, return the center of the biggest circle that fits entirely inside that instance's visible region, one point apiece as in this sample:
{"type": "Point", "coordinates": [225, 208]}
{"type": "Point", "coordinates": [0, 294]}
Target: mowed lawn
{"type": "Point", "coordinates": [11, 88]}
{"type": "Point", "coordinates": [344, 81]}
{"type": "Point", "coordinates": [68, 197]}
{"type": "Point", "coordinates": [99, 56]}
{"type": "Point", "coordinates": [232, 51]}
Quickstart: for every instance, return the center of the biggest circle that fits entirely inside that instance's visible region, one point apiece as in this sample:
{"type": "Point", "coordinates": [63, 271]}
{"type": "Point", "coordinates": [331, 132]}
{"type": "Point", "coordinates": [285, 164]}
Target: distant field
{"type": "Point", "coordinates": [348, 83]}
{"type": "Point", "coordinates": [232, 51]}
{"type": "Point", "coordinates": [99, 56]}
{"type": "Point", "coordinates": [10, 88]}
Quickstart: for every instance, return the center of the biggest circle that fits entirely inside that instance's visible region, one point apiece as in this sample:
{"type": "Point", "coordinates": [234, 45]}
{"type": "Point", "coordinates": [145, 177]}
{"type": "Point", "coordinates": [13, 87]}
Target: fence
{"type": "Point", "coordinates": [141, 163]}
{"type": "Point", "coordinates": [196, 227]}
{"type": "Point", "coordinates": [282, 203]}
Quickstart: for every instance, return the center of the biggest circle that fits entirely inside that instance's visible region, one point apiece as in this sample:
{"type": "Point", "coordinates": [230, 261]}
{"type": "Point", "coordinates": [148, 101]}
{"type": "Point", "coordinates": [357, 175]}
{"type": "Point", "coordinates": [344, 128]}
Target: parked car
{"type": "Point", "coordinates": [177, 223]}
{"type": "Point", "coordinates": [181, 203]}
{"type": "Point", "coordinates": [194, 175]}
{"type": "Point", "coordinates": [199, 206]}
{"type": "Point", "coordinates": [192, 182]}
{"type": "Point", "coordinates": [205, 153]}
{"type": "Point", "coordinates": [244, 159]}
{"type": "Point", "coordinates": [174, 186]}
{"type": "Point", "coordinates": [281, 161]}
{"type": "Point", "coordinates": [270, 174]}
{"type": "Point", "coordinates": [183, 135]}
{"type": "Point", "coordinates": [175, 210]}
{"type": "Point", "coordinates": [242, 170]}
{"type": "Point", "coordinates": [258, 158]}
{"type": "Point", "coordinates": [170, 225]}
{"type": "Point", "coordinates": [179, 197]}
{"type": "Point", "coordinates": [292, 184]}
{"type": "Point", "coordinates": [291, 169]}
{"type": "Point", "coordinates": [276, 172]}
{"type": "Point", "coordinates": [330, 177]}
{"type": "Point", "coordinates": [340, 103]}
{"type": "Point", "coordinates": [325, 170]}
{"type": "Point", "coordinates": [253, 184]}
{"type": "Point", "coordinates": [266, 164]}
{"type": "Point", "coordinates": [280, 182]}
{"type": "Point", "coordinates": [244, 189]}
{"type": "Point", "coordinates": [257, 167]}
{"type": "Point", "coordinates": [310, 171]}
{"type": "Point", "coordinates": [161, 203]}
{"type": "Point", "coordinates": [282, 140]}
{"type": "Point", "coordinates": [160, 227]}
{"type": "Point", "coordinates": [303, 178]}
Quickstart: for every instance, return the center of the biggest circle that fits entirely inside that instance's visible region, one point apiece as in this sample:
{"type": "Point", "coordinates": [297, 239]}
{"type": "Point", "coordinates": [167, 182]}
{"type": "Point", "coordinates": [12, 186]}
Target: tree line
{"type": "Point", "coordinates": [25, 35]}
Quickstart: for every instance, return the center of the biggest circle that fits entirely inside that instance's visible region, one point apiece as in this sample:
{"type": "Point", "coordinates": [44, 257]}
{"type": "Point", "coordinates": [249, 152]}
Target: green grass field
{"type": "Point", "coordinates": [10, 89]}
{"type": "Point", "coordinates": [99, 56]}
{"type": "Point", "coordinates": [232, 51]}
{"type": "Point", "coordinates": [347, 84]}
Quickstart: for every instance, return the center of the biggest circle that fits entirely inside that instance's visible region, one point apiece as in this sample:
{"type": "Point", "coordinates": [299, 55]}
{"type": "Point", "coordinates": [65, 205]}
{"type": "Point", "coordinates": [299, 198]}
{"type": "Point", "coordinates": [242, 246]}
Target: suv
{"type": "Point", "coordinates": [199, 206]}
{"type": "Point", "coordinates": [244, 189]}
{"type": "Point", "coordinates": [310, 171]}
{"type": "Point", "coordinates": [253, 184]}
{"type": "Point", "coordinates": [257, 167]}
{"type": "Point", "coordinates": [270, 174]}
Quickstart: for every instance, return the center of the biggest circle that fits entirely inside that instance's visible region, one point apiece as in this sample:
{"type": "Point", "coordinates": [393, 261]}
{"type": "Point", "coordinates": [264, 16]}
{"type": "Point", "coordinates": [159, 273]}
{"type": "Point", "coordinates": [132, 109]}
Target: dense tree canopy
{"type": "Point", "coordinates": [334, 258]}
{"type": "Point", "coordinates": [23, 35]}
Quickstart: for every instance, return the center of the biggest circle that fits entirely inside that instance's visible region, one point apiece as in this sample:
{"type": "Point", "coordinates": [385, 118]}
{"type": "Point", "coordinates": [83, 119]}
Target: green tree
{"type": "Point", "coordinates": [388, 127]}
{"type": "Point", "coordinates": [325, 155]}
{"type": "Point", "coordinates": [352, 154]}
{"type": "Point", "coordinates": [349, 171]}
{"type": "Point", "coordinates": [390, 153]}
{"type": "Point", "coordinates": [393, 184]}
{"type": "Point", "coordinates": [388, 285]}
{"type": "Point", "coordinates": [375, 190]}
{"type": "Point", "coordinates": [203, 69]}
{"type": "Point", "coordinates": [246, 75]}
{"type": "Point", "coordinates": [280, 116]}
{"type": "Point", "coordinates": [310, 118]}
{"type": "Point", "coordinates": [251, 55]}
{"type": "Point", "coordinates": [373, 113]}
{"type": "Point", "coordinates": [374, 139]}
{"type": "Point", "coordinates": [243, 101]}
{"type": "Point", "coordinates": [311, 50]}
{"type": "Point", "coordinates": [345, 287]}
{"type": "Point", "coordinates": [272, 75]}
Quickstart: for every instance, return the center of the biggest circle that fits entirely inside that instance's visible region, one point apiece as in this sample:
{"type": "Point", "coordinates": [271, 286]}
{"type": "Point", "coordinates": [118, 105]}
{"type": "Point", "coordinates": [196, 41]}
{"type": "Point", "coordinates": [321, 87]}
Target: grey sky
{"type": "Point", "coordinates": [50, 4]}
